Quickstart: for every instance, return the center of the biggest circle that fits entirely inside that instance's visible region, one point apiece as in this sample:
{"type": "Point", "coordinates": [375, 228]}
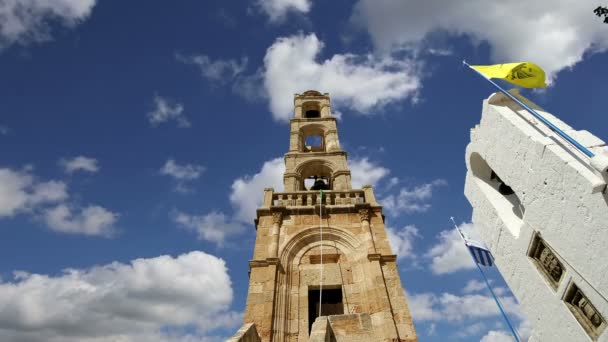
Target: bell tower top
{"type": "Point", "coordinates": [312, 104]}
{"type": "Point", "coordinates": [322, 266]}
{"type": "Point", "coordinates": [315, 159]}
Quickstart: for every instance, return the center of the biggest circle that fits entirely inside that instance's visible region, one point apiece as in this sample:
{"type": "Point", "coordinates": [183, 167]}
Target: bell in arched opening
{"type": "Point", "coordinates": [319, 184]}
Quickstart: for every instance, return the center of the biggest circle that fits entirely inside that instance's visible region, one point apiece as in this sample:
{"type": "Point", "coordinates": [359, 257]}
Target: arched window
{"type": "Point", "coordinates": [504, 199]}
{"type": "Point", "coordinates": [311, 110]}
{"type": "Point", "coordinates": [316, 175]}
{"type": "Point", "coordinates": [313, 138]}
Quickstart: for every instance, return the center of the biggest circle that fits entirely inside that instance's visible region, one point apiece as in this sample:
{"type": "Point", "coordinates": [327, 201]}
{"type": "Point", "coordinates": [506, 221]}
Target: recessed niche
{"type": "Point", "coordinates": [584, 311]}
{"type": "Point", "coordinates": [506, 202]}
{"type": "Point", "coordinates": [546, 261]}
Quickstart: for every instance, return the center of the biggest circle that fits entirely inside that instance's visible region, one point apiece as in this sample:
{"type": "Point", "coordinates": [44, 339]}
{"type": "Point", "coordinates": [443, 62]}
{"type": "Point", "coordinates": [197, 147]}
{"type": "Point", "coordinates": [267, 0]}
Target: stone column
{"type": "Point", "coordinates": [364, 217]}
{"type": "Point", "coordinates": [273, 247]}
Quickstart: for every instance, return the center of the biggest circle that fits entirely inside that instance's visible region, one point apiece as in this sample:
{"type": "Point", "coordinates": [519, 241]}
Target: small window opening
{"type": "Point", "coordinates": [313, 113]}
{"type": "Point", "coordinates": [314, 143]}
{"type": "Point", "coordinates": [331, 304]}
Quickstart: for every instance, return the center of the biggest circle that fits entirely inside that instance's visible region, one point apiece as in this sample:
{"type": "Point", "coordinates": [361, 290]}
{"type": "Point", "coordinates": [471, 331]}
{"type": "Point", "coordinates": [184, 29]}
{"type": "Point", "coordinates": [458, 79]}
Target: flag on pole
{"type": "Point", "coordinates": [524, 74]}
{"type": "Point", "coordinates": [481, 255]}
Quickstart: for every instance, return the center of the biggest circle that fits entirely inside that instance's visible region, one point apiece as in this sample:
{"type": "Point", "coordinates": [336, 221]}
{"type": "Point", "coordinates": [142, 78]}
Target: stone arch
{"type": "Point", "coordinates": [311, 109]}
{"type": "Point", "coordinates": [316, 167]}
{"type": "Point", "coordinates": [312, 234]}
{"type": "Point", "coordinates": [288, 315]}
{"type": "Point", "coordinates": [313, 129]}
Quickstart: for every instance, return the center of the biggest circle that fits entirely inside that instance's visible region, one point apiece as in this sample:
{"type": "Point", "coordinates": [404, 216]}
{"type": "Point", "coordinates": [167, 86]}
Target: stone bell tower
{"type": "Point", "coordinates": [321, 247]}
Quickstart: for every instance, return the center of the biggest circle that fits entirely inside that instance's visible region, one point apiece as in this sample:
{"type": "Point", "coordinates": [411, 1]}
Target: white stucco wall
{"type": "Point", "coordinates": [562, 198]}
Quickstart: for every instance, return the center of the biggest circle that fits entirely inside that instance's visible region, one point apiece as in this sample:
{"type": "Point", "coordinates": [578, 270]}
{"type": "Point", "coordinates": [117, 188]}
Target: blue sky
{"type": "Point", "coordinates": [136, 138]}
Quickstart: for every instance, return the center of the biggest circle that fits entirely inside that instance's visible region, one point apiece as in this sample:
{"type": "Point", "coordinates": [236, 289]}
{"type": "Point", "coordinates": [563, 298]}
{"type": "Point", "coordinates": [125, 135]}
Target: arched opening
{"type": "Point", "coordinates": [299, 283]}
{"type": "Point", "coordinates": [311, 110]}
{"type": "Point", "coordinates": [313, 138]}
{"type": "Point", "coordinates": [501, 195]}
{"type": "Point", "coordinates": [316, 175]}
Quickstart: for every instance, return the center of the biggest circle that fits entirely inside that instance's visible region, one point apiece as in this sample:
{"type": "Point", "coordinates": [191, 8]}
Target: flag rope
{"type": "Point", "coordinates": [502, 311]}
{"type": "Point", "coordinates": [554, 128]}
{"type": "Point", "coordinates": [321, 246]}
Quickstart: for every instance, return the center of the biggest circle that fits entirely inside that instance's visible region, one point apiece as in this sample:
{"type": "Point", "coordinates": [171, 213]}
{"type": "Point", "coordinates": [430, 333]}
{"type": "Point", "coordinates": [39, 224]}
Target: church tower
{"type": "Point", "coordinates": [322, 268]}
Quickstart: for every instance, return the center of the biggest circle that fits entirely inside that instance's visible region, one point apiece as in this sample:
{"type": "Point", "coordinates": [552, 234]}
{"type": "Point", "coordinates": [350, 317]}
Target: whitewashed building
{"type": "Point", "coordinates": [542, 208]}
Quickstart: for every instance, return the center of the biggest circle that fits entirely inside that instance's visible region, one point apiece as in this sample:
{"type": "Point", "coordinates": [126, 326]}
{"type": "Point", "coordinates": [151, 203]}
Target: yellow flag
{"type": "Point", "coordinates": [524, 74]}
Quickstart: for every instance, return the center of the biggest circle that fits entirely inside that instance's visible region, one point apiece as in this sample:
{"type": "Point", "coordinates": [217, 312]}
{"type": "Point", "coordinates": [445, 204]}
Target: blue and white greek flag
{"type": "Point", "coordinates": [480, 253]}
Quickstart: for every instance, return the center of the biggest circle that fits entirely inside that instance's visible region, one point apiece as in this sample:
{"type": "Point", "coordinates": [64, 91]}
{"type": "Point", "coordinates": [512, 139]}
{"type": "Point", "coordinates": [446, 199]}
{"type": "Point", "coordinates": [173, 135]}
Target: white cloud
{"type": "Point", "coordinates": [364, 172]}
{"type": "Point", "coordinates": [214, 227]}
{"type": "Point", "coordinates": [474, 286]}
{"type": "Point", "coordinates": [450, 254]}
{"type": "Point", "coordinates": [165, 111]}
{"type": "Point", "coordinates": [247, 191]}
{"type": "Point", "coordinates": [422, 307]}
{"type": "Point", "coordinates": [524, 330]}
{"type": "Point", "coordinates": [402, 241]}
{"type": "Point", "coordinates": [20, 191]}
{"type": "Point", "coordinates": [4, 130]}
{"type": "Point", "coordinates": [23, 21]}
{"type": "Point", "coordinates": [554, 34]}
{"type": "Point", "coordinates": [361, 83]}
{"type": "Point", "coordinates": [80, 163]}
{"type": "Point", "coordinates": [411, 200]}
{"type": "Point", "coordinates": [277, 9]}
{"type": "Point", "coordinates": [497, 336]}
{"type": "Point", "coordinates": [218, 70]}
{"type": "Point", "coordinates": [182, 174]}
{"type": "Point", "coordinates": [453, 308]}
{"type": "Point", "coordinates": [91, 220]}
{"type": "Point", "coordinates": [135, 302]}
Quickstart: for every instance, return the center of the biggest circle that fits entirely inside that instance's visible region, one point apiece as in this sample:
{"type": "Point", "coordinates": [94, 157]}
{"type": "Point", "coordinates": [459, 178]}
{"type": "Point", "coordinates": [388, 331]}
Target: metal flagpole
{"type": "Point", "coordinates": [537, 115]}
{"type": "Point", "coordinates": [502, 311]}
{"type": "Point", "coordinates": [321, 246]}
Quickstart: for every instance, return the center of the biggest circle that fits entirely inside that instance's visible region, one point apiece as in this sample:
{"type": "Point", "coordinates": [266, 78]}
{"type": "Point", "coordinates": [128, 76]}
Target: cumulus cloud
{"type": "Point", "coordinates": [214, 227]}
{"type": "Point", "coordinates": [91, 220]}
{"type": "Point", "coordinates": [247, 191]}
{"type": "Point", "coordinates": [364, 172]}
{"type": "Point", "coordinates": [472, 313]}
{"type": "Point", "coordinates": [454, 308]}
{"type": "Point", "coordinates": [411, 200]}
{"type": "Point", "coordinates": [524, 330]}
{"type": "Point", "coordinates": [277, 9]}
{"type": "Point", "coordinates": [4, 130]}
{"type": "Point", "coordinates": [24, 21]}
{"type": "Point", "coordinates": [182, 174]}
{"type": "Point", "coordinates": [360, 83]}
{"type": "Point", "coordinates": [554, 34]}
{"type": "Point", "coordinates": [165, 111]}
{"type": "Point", "coordinates": [402, 240]}
{"type": "Point", "coordinates": [20, 191]}
{"type": "Point", "coordinates": [450, 254]}
{"type": "Point", "coordinates": [145, 300]}
{"type": "Point", "coordinates": [80, 163]}
{"type": "Point", "coordinates": [215, 70]}
{"type": "Point", "coordinates": [473, 286]}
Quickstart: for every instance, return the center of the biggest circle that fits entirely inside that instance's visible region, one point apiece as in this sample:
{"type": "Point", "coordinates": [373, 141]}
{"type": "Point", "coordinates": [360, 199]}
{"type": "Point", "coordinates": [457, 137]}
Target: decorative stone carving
{"type": "Point", "coordinates": [277, 217]}
{"type": "Point", "coordinates": [546, 261]}
{"type": "Point", "coordinates": [364, 215]}
{"type": "Point", "coordinates": [551, 264]}
{"type": "Point", "coordinates": [587, 315]}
